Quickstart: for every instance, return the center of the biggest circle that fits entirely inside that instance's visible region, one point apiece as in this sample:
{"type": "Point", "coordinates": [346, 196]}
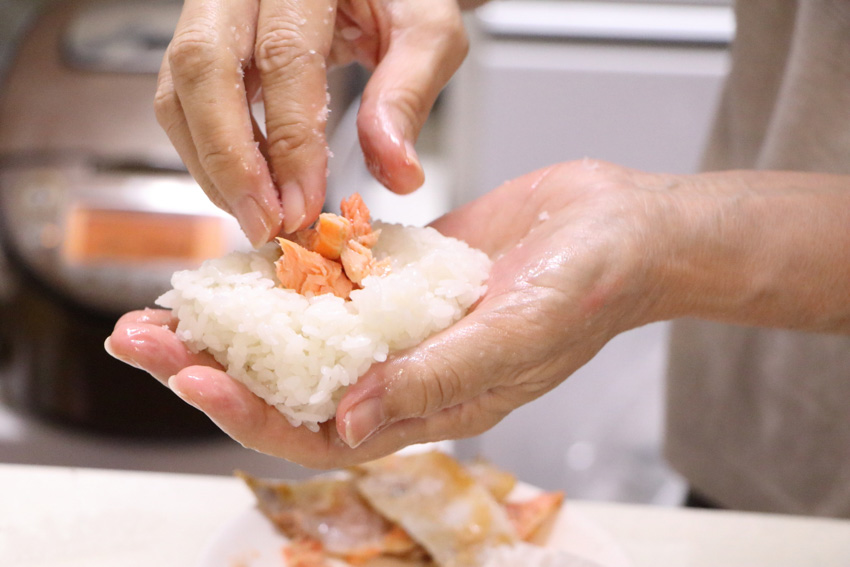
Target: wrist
{"type": "Point", "coordinates": [696, 247]}
{"type": "Point", "coordinates": [666, 260]}
{"type": "Point", "coordinates": [629, 224]}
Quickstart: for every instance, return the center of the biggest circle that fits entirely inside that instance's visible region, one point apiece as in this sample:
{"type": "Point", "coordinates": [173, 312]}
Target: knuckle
{"type": "Point", "coordinates": [409, 102]}
{"type": "Point", "coordinates": [416, 398]}
{"type": "Point", "coordinates": [216, 159]}
{"type": "Point", "coordinates": [437, 384]}
{"type": "Point", "coordinates": [456, 33]}
{"type": "Point", "coordinates": [475, 421]}
{"type": "Point", "coordinates": [165, 107]}
{"type": "Point", "coordinates": [461, 42]}
{"type": "Point", "coordinates": [192, 50]}
{"type": "Point", "coordinates": [287, 134]}
{"type": "Point", "coordinates": [448, 25]}
{"type": "Point", "coordinates": [280, 50]}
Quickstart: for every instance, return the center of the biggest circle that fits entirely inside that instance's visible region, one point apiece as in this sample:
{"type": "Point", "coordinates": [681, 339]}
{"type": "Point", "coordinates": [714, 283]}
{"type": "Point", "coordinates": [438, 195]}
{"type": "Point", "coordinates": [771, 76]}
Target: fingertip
{"type": "Point", "coordinates": [259, 221]}
{"type": "Point", "coordinates": [121, 343]}
{"type": "Point", "coordinates": [294, 207]}
{"type": "Point", "coordinates": [227, 402]}
{"type": "Point", "coordinates": [176, 386]}
{"type": "Point", "coordinates": [390, 157]}
{"type": "Point", "coordinates": [362, 421]}
{"type": "Point", "coordinates": [411, 174]}
{"type": "Point", "coordinates": [107, 346]}
{"type": "Point", "coordinates": [314, 195]}
{"type": "Point", "coordinates": [362, 412]}
{"type": "Point", "coordinates": [212, 391]}
{"type": "Point", "coordinates": [111, 351]}
{"type": "Point", "coordinates": [302, 200]}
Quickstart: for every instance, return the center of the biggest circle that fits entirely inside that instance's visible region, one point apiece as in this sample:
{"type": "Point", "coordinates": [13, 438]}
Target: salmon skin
{"type": "Point", "coordinates": [417, 510]}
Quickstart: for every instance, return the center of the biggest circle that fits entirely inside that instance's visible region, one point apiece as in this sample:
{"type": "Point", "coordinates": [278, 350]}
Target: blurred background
{"type": "Point", "coordinates": [96, 212]}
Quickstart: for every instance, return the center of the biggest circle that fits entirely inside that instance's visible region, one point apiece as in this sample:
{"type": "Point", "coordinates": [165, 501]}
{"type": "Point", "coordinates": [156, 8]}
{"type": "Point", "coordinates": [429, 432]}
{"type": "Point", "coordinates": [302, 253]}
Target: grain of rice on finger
{"type": "Point", "coordinates": [299, 349]}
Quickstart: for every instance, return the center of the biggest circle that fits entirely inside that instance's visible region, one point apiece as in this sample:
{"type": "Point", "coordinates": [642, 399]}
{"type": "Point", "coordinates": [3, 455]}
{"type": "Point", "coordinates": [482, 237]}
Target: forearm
{"type": "Point", "coordinates": [757, 248]}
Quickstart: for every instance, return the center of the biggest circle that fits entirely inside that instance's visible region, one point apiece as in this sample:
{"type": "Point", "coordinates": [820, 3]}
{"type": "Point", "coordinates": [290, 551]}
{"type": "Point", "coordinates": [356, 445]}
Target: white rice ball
{"type": "Point", "coordinates": [300, 353]}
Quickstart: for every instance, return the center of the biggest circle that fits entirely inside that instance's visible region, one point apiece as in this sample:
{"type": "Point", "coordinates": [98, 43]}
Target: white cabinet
{"type": "Point", "coordinates": [643, 98]}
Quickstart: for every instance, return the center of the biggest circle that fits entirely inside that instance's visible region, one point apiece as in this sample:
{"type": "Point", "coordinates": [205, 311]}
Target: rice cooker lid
{"type": "Point", "coordinates": [97, 206]}
{"type": "Point", "coordinates": [121, 36]}
{"type": "Point", "coordinates": [108, 236]}
{"type": "Point", "coordinates": [83, 79]}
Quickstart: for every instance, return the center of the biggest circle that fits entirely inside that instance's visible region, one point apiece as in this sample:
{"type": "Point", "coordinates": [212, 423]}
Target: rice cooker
{"type": "Point", "coordinates": [96, 213]}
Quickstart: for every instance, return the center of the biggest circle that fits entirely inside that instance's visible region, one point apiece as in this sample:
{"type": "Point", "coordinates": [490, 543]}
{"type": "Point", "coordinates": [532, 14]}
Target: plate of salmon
{"type": "Point", "coordinates": [410, 510]}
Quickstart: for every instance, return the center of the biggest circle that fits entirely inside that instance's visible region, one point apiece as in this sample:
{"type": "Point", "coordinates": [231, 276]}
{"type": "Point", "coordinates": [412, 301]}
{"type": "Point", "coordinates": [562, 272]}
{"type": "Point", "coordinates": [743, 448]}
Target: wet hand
{"type": "Point", "coordinates": [582, 252]}
{"type": "Point", "coordinates": [569, 275]}
{"type": "Point", "coordinates": [147, 340]}
{"type": "Point", "coordinates": [226, 55]}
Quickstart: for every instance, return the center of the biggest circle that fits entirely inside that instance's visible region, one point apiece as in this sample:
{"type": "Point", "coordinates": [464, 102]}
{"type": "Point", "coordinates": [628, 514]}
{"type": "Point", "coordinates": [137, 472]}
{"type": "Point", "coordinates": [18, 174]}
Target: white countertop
{"type": "Point", "coordinates": [59, 516]}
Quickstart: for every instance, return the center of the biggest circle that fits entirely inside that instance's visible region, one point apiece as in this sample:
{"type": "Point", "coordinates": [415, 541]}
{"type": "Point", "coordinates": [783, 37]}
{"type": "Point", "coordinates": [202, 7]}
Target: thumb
{"type": "Point", "coordinates": [449, 370]}
{"type": "Point", "coordinates": [423, 52]}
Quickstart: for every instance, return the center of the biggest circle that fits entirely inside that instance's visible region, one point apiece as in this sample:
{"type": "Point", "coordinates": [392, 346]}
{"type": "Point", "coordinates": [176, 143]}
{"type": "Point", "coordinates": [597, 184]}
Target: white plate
{"type": "Point", "coordinates": [251, 540]}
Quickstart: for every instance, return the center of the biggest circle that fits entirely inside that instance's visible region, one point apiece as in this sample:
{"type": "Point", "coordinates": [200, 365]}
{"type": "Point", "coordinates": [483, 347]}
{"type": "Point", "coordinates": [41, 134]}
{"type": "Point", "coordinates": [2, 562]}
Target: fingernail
{"type": "Point", "coordinates": [174, 387]}
{"type": "Point", "coordinates": [415, 177]}
{"type": "Point", "coordinates": [412, 156]}
{"type": "Point", "coordinates": [107, 346]}
{"type": "Point", "coordinates": [378, 171]}
{"type": "Point", "coordinates": [292, 199]}
{"type": "Point", "coordinates": [363, 421]}
{"type": "Point", "coordinates": [252, 218]}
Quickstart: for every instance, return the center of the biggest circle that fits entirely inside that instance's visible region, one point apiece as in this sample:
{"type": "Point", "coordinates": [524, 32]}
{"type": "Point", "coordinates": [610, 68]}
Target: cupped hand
{"type": "Point", "coordinates": [225, 55]}
{"type": "Point", "coordinates": [570, 273]}
{"type": "Point", "coordinates": [570, 260]}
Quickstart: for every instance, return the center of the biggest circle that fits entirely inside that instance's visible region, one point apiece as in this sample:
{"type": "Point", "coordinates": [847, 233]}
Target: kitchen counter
{"type": "Point", "coordinates": [52, 516]}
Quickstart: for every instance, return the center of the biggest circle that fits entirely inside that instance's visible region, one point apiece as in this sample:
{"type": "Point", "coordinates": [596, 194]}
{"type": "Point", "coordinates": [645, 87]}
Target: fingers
{"type": "Point", "coordinates": [447, 379]}
{"type": "Point", "coordinates": [425, 48]}
{"type": "Point", "coordinates": [259, 426]}
{"type": "Point", "coordinates": [146, 340]}
{"type": "Point", "coordinates": [293, 42]}
{"type": "Point", "coordinates": [202, 104]}
{"type": "Point", "coordinates": [170, 116]}
{"type": "Point", "coordinates": [242, 415]}
{"type": "Point", "coordinates": [162, 317]}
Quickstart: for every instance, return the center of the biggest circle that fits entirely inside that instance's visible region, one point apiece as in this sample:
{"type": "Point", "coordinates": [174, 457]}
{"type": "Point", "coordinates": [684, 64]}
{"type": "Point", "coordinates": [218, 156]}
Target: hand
{"type": "Point", "coordinates": [587, 250]}
{"type": "Point", "coordinates": [226, 54]}
{"type": "Point", "coordinates": [564, 282]}
{"type": "Point", "coordinates": [568, 276]}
